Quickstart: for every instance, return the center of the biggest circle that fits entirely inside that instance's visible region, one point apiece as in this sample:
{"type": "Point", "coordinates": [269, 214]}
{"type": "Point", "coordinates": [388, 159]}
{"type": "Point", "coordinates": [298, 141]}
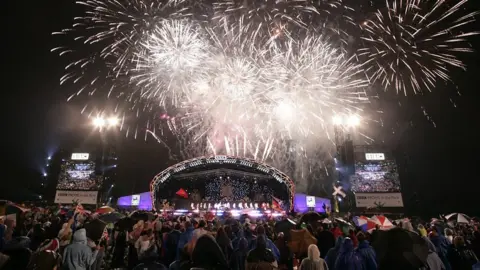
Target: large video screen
{"type": "Point", "coordinates": [375, 176]}
{"type": "Point", "coordinates": [78, 175]}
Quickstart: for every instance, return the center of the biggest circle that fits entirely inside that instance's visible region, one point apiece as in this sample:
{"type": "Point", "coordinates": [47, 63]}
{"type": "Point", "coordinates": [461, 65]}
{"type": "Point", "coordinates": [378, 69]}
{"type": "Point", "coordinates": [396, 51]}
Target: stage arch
{"type": "Point", "coordinates": [202, 161]}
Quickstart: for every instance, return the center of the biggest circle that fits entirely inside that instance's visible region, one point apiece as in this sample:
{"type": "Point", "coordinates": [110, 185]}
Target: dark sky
{"type": "Point", "coordinates": [440, 161]}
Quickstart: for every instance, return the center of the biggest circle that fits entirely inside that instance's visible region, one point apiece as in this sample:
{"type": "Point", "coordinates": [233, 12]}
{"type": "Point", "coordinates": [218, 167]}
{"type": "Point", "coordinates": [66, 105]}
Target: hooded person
{"type": "Point", "coordinates": [348, 258]}
{"type": "Point", "coordinates": [366, 252]}
{"type": "Point", "coordinates": [207, 254]}
{"type": "Point", "coordinates": [441, 245]}
{"type": "Point", "coordinates": [433, 261]}
{"type": "Point", "coordinates": [78, 255]}
{"type": "Point", "coordinates": [313, 261]}
{"type": "Point", "coordinates": [237, 262]}
{"type": "Point", "coordinates": [332, 253]}
{"type": "Point", "coordinates": [261, 257]}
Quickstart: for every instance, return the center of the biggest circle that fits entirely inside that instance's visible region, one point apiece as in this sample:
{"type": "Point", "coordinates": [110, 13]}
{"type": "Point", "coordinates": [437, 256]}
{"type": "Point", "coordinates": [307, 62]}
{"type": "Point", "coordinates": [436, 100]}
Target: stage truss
{"type": "Point", "coordinates": [201, 161]}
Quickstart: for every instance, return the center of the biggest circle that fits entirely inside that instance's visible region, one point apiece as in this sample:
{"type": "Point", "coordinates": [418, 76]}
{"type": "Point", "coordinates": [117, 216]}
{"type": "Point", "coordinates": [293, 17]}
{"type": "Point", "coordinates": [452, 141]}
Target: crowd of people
{"type": "Point", "coordinates": [49, 240]}
{"type": "Point", "coordinates": [375, 177]}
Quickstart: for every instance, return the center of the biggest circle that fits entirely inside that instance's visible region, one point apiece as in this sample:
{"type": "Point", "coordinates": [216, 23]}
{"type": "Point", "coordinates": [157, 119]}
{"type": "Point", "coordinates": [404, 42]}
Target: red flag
{"type": "Point", "coordinates": [182, 193]}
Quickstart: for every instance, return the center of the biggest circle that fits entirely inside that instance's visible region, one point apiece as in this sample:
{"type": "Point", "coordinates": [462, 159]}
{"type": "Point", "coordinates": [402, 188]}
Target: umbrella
{"type": "Point", "coordinates": [285, 226]}
{"type": "Point", "coordinates": [365, 223]}
{"type": "Point", "coordinates": [111, 217]}
{"type": "Point", "coordinates": [402, 248]}
{"type": "Point", "coordinates": [300, 240]}
{"type": "Point", "coordinates": [125, 224]}
{"type": "Point", "coordinates": [12, 208]}
{"type": "Point", "coordinates": [105, 210]}
{"type": "Point", "coordinates": [326, 221]}
{"type": "Point", "coordinates": [95, 229]}
{"type": "Point", "coordinates": [458, 217]}
{"type": "Point", "coordinates": [310, 218]}
{"type": "Point", "coordinates": [343, 221]}
{"type": "Point", "coordinates": [142, 215]}
{"type": "Point", "coordinates": [384, 223]}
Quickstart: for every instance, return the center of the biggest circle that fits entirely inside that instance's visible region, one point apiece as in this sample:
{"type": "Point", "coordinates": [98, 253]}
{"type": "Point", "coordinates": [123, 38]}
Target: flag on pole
{"type": "Point", "coordinates": [276, 203]}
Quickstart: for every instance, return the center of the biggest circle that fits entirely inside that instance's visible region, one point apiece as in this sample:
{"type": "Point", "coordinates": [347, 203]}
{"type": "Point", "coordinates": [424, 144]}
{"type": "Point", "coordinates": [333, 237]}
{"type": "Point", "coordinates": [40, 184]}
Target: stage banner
{"type": "Point", "coordinates": [70, 196]}
{"type": "Point", "coordinates": [379, 199]}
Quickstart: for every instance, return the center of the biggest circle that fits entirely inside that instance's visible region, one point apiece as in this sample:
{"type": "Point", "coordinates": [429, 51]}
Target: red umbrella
{"type": "Point", "coordinates": [385, 223]}
{"type": "Point", "coordinates": [105, 210]}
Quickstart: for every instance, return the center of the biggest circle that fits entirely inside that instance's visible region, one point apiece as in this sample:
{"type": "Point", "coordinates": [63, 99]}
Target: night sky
{"type": "Point", "coordinates": [439, 163]}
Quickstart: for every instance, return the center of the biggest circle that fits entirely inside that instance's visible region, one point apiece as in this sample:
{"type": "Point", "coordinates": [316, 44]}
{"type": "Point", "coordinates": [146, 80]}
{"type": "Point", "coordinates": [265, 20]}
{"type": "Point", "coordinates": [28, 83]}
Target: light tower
{"type": "Point", "coordinates": [343, 125]}
{"type": "Point", "coordinates": [104, 125]}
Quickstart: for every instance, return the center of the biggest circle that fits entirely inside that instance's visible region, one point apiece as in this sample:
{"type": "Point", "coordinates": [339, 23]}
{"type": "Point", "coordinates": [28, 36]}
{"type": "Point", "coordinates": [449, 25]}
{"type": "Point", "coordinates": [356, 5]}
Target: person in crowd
{"type": "Point", "coordinates": [224, 242]}
{"type": "Point", "coordinates": [208, 255]}
{"type": "Point", "coordinates": [18, 250]}
{"type": "Point", "coordinates": [118, 253]}
{"type": "Point", "coordinates": [449, 235]}
{"type": "Point", "coordinates": [239, 234]}
{"type": "Point", "coordinates": [3, 230]}
{"type": "Point", "coordinates": [460, 256]}
{"type": "Point", "coordinates": [407, 225]}
{"type": "Point", "coordinates": [37, 236]}
{"type": "Point", "coordinates": [171, 243]}
{"type": "Point", "coordinates": [351, 235]}
{"type": "Point", "coordinates": [441, 245]}
{"type": "Point", "coordinates": [3, 260]}
{"type": "Point", "coordinates": [433, 261]}
{"type": "Point", "coordinates": [200, 230]}
{"type": "Point", "coordinates": [337, 232]}
{"type": "Point", "coordinates": [286, 255]}
{"type": "Point", "coordinates": [332, 253]}
{"type": "Point", "coordinates": [65, 235]}
{"type": "Point", "coordinates": [183, 262]}
{"type": "Point", "coordinates": [251, 238]}
{"type": "Point", "coordinates": [45, 260]}
{"type": "Point", "coordinates": [228, 228]}
{"type": "Point", "coordinates": [348, 258]}
{"type": "Point", "coordinates": [313, 261]}
{"type": "Point", "coordinates": [366, 252]}
{"type": "Point", "coordinates": [261, 257]}
{"type": "Point", "coordinates": [78, 255]}
{"type": "Point", "coordinates": [145, 246]}
{"type": "Point", "coordinates": [270, 245]}
{"type": "Point", "coordinates": [184, 238]}
{"type": "Point", "coordinates": [237, 262]}
{"type": "Point", "coordinates": [476, 243]}
{"type": "Point", "coordinates": [325, 241]}
{"type": "Point", "coordinates": [37, 259]}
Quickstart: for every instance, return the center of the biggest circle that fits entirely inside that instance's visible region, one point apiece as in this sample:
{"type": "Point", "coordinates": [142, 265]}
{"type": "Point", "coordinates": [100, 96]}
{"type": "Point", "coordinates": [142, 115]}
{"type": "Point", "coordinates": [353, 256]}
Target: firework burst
{"type": "Point", "coordinates": [168, 60]}
{"type": "Point", "coordinates": [243, 77]}
{"type": "Point", "coordinates": [410, 44]}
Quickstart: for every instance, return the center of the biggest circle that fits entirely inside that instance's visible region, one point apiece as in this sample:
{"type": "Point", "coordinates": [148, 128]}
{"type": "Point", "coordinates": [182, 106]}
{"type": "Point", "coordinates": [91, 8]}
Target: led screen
{"type": "Point", "coordinates": [78, 175]}
{"type": "Point", "coordinates": [378, 176]}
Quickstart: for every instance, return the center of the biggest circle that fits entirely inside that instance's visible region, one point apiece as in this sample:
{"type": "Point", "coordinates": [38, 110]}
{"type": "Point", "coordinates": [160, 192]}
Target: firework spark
{"type": "Point", "coordinates": [410, 44]}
